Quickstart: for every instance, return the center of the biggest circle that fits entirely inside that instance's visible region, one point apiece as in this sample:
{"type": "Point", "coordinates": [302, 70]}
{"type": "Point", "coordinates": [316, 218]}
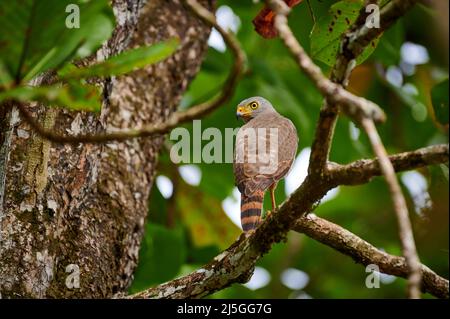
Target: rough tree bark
{"type": "Point", "coordinates": [86, 204]}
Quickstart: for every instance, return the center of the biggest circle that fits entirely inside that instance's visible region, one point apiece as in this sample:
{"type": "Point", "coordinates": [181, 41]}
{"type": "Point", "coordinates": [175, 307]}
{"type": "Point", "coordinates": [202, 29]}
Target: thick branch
{"type": "Point", "coordinates": [176, 118]}
{"type": "Point", "coordinates": [400, 208]}
{"type": "Point", "coordinates": [364, 253]}
{"type": "Point", "coordinates": [360, 110]}
{"type": "Point", "coordinates": [87, 203]}
{"type": "Point", "coordinates": [236, 263]}
{"type": "Point", "coordinates": [362, 171]}
{"type": "Point", "coordinates": [233, 265]}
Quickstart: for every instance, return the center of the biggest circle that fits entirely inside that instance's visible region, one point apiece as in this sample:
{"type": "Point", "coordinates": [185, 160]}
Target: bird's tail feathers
{"type": "Point", "coordinates": [251, 207]}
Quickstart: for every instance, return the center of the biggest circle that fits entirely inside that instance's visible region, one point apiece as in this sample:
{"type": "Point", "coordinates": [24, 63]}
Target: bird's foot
{"type": "Point", "coordinates": [249, 233]}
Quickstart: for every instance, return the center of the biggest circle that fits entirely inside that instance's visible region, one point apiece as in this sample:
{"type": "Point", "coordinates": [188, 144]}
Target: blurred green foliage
{"type": "Point", "coordinates": [191, 227]}
{"type": "Point", "coordinates": [29, 49]}
{"type": "Point", "coordinates": [196, 213]}
{"type": "Point", "coordinates": [47, 35]}
{"type": "Point", "coordinates": [439, 96]}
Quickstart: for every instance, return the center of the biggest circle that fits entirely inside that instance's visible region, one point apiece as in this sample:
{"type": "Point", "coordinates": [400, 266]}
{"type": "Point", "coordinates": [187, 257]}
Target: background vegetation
{"type": "Point", "coordinates": [405, 69]}
{"type": "Point", "coordinates": [192, 207]}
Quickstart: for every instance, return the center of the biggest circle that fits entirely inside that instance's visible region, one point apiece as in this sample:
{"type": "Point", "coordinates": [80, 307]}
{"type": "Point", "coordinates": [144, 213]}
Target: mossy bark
{"type": "Point", "coordinates": [85, 205]}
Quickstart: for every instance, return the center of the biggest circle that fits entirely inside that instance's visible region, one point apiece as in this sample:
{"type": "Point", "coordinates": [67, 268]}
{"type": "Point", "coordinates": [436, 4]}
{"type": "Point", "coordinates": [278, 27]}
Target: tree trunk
{"type": "Point", "coordinates": [66, 209]}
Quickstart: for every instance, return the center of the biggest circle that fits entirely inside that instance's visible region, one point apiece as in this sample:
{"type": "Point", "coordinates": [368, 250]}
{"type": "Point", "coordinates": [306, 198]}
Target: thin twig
{"type": "Point", "coordinates": [362, 171]}
{"type": "Point", "coordinates": [357, 108]}
{"type": "Point", "coordinates": [234, 264]}
{"type": "Point", "coordinates": [176, 118]}
{"type": "Point", "coordinates": [352, 45]}
{"type": "Point", "coordinates": [401, 210]}
{"type": "Point", "coordinates": [364, 253]}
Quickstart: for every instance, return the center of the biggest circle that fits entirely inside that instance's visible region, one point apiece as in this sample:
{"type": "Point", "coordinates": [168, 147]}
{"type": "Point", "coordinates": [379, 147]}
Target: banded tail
{"type": "Point", "coordinates": [251, 207]}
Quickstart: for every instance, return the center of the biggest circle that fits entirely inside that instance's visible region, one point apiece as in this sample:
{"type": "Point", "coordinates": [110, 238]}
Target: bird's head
{"type": "Point", "coordinates": [252, 107]}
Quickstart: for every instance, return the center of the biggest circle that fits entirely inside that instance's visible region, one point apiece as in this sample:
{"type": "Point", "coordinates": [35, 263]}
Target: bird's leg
{"type": "Point", "coordinates": [272, 198]}
{"type": "Point", "coordinates": [272, 195]}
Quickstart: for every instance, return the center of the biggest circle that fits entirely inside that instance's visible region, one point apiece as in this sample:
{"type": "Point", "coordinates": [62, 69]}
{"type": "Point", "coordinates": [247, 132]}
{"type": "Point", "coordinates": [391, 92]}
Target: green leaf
{"type": "Point", "coordinates": [125, 62]}
{"type": "Point", "coordinates": [439, 98]}
{"type": "Point", "coordinates": [327, 32]}
{"type": "Point", "coordinates": [73, 96]}
{"type": "Point", "coordinates": [162, 253]}
{"type": "Point", "coordinates": [35, 37]}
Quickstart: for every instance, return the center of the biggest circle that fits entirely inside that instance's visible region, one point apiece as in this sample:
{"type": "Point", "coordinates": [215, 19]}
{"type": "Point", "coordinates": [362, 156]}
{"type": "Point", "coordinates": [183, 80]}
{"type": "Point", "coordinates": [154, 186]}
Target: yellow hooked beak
{"type": "Point", "coordinates": [243, 113]}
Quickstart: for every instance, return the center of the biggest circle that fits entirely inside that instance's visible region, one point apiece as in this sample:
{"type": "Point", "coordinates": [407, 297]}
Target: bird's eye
{"type": "Point", "coordinates": [254, 105]}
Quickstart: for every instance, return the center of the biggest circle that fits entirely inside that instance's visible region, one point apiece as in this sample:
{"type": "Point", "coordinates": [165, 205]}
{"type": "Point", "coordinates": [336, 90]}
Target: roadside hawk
{"type": "Point", "coordinates": [266, 146]}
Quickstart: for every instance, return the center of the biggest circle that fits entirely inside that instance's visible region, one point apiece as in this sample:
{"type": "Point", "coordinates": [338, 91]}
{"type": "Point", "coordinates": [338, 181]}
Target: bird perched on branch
{"type": "Point", "coordinates": [265, 150]}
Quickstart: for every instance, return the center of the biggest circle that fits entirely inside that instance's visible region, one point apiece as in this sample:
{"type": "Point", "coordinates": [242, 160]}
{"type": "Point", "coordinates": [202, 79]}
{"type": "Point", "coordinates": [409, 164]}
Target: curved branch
{"type": "Point", "coordinates": [236, 263]}
{"type": "Point", "coordinates": [401, 210]}
{"type": "Point", "coordinates": [176, 118]}
{"type": "Point", "coordinates": [364, 253]}
{"type": "Point", "coordinates": [362, 171]}
{"type": "Point", "coordinates": [358, 109]}
{"type": "Point", "coordinates": [233, 265]}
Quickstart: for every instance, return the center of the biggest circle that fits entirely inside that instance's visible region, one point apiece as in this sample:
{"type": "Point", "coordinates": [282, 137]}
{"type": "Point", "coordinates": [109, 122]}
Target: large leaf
{"type": "Point", "coordinates": [73, 96]}
{"type": "Point", "coordinates": [125, 62]}
{"type": "Point", "coordinates": [327, 32]}
{"type": "Point", "coordinates": [439, 97]}
{"type": "Point", "coordinates": [34, 36]}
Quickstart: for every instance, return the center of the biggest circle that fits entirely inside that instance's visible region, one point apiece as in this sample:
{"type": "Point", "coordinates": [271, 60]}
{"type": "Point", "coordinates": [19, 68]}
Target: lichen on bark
{"type": "Point", "coordinates": [85, 205]}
